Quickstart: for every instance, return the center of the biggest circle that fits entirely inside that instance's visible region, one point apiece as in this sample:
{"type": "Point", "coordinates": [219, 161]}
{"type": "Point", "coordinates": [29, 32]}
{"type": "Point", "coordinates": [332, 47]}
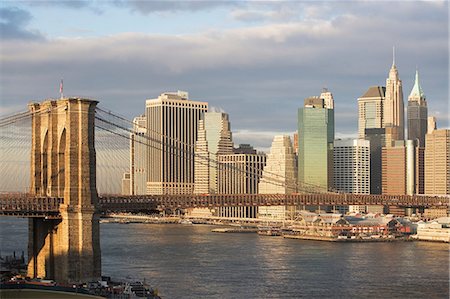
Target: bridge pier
{"type": "Point", "coordinates": [67, 249]}
{"type": "Point", "coordinates": [63, 164]}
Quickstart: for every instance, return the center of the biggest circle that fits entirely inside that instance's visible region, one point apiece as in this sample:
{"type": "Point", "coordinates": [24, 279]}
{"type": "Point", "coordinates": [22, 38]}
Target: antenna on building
{"type": "Point", "coordinates": [393, 56]}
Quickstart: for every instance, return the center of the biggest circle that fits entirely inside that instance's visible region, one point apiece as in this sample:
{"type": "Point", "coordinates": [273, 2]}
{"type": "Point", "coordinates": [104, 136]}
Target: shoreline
{"type": "Point", "coordinates": [242, 226]}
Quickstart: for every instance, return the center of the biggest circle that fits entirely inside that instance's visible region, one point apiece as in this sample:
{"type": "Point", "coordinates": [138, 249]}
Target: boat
{"type": "Point", "coordinates": [269, 231]}
{"type": "Point", "coordinates": [185, 221]}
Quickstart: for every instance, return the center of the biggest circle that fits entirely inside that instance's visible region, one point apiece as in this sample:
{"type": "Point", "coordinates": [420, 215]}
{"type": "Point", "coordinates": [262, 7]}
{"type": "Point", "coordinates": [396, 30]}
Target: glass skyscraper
{"type": "Point", "coordinates": [214, 138]}
{"type": "Point", "coordinates": [417, 113]}
{"type": "Point", "coordinates": [315, 145]}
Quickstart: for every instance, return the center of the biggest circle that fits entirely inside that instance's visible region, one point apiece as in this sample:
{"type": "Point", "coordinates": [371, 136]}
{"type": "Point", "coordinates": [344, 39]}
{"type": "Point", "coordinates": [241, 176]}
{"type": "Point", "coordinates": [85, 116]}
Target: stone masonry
{"type": "Point", "coordinates": [63, 165]}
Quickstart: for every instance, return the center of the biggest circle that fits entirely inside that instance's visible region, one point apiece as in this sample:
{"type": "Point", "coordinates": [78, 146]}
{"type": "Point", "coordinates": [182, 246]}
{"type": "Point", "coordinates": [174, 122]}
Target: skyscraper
{"type": "Point", "coordinates": [202, 163]}
{"type": "Point", "coordinates": [393, 105]}
{"type": "Point", "coordinates": [431, 124]}
{"type": "Point", "coordinates": [417, 113]}
{"type": "Point", "coordinates": [239, 174]}
{"type": "Point", "coordinates": [370, 109]}
{"type": "Point", "coordinates": [328, 98]}
{"type": "Point", "coordinates": [279, 176]}
{"type": "Point", "coordinates": [371, 126]}
{"type": "Point", "coordinates": [352, 165]}
{"type": "Point", "coordinates": [377, 138]}
{"type": "Point", "coordinates": [437, 162]}
{"type": "Point", "coordinates": [138, 156]}
{"type": "Point", "coordinates": [172, 122]}
{"type": "Point", "coordinates": [315, 145]}
{"type": "Point", "coordinates": [214, 138]}
{"type": "Point", "coordinates": [399, 168]}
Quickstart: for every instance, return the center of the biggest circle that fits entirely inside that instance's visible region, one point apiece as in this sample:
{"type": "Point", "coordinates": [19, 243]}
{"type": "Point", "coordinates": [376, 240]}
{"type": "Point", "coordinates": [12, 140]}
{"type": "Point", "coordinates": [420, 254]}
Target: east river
{"type": "Point", "coordinates": [189, 261]}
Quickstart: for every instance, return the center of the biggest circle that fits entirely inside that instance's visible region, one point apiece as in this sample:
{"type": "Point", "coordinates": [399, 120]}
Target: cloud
{"type": "Point", "coordinates": [13, 22]}
{"type": "Point", "coordinates": [281, 11]}
{"type": "Point", "coordinates": [160, 6]}
{"type": "Point", "coordinates": [74, 4]}
{"type": "Point", "coordinates": [261, 140]}
{"type": "Point", "coordinates": [259, 75]}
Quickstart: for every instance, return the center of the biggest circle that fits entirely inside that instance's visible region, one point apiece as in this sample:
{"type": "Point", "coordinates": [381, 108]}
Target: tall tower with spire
{"type": "Point", "coordinates": [393, 105]}
{"type": "Point", "coordinates": [417, 113]}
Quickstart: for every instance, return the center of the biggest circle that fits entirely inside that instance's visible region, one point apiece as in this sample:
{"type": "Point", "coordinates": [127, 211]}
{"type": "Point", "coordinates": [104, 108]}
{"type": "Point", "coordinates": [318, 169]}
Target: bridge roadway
{"type": "Point", "coordinates": [26, 205]}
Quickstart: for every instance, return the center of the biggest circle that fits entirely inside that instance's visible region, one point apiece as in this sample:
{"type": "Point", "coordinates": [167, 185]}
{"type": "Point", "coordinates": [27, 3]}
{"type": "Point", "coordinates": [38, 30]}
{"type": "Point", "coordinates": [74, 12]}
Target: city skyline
{"type": "Point", "coordinates": [242, 57]}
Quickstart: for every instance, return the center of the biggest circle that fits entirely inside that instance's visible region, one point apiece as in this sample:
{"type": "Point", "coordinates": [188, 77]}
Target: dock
{"type": "Point", "coordinates": [234, 230]}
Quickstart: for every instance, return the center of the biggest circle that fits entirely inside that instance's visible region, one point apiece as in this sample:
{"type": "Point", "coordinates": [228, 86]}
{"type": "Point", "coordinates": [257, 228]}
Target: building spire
{"type": "Point", "coordinates": [393, 56]}
{"type": "Point", "coordinates": [417, 89]}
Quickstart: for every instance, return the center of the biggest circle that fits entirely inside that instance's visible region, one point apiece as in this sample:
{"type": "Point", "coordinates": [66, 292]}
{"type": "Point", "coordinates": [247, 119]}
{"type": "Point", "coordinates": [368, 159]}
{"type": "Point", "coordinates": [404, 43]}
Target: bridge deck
{"type": "Point", "coordinates": [25, 205]}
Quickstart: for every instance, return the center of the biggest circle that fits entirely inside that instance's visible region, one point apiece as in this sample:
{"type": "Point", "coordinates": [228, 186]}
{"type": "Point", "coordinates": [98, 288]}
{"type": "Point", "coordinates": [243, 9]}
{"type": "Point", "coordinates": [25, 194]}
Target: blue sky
{"type": "Point", "coordinates": [255, 60]}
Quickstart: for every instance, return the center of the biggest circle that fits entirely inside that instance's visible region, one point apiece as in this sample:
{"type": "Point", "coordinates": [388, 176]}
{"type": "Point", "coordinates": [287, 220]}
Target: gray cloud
{"type": "Point", "coordinates": [13, 22]}
{"type": "Point", "coordinates": [160, 6]}
{"type": "Point", "coordinates": [259, 75]}
{"type": "Point", "coordinates": [60, 3]}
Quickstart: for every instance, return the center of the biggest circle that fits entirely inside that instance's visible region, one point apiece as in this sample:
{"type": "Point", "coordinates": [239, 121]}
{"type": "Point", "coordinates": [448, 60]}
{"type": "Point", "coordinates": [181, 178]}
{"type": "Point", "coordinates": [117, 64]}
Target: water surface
{"type": "Point", "coordinates": [192, 262]}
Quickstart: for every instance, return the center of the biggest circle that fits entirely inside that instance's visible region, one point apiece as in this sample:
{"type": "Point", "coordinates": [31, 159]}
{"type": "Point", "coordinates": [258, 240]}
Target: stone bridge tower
{"type": "Point", "coordinates": [63, 165]}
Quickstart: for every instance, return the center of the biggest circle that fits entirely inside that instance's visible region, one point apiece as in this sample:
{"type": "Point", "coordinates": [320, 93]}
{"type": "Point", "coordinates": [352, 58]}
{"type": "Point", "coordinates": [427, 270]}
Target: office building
{"type": "Point", "coordinates": [370, 109]}
{"type": "Point", "coordinates": [431, 124]}
{"type": "Point", "coordinates": [327, 96]}
{"type": "Point", "coordinates": [172, 123]}
{"type": "Point", "coordinates": [351, 170]}
{"type": "Point", "coordinates": [371, 127]}
{"type": "Point", "coordinates": [138, 156]}
{"type": "Point", "coordinates": [214, 138]}
{"type": "Point", "coordinates": [399, 168]}
{"type": "Point", "coordinates": [352, 166]}
{"type": "Point", "coordinates": [244, 149]}
{"type": "Point", "coordinates": [315, 145]}
{"type": "Point", "coordinates": [420, 170]}
{"type": "Point", "coordinates": [437, 162]}
{"type": "Point", "coordinates": [279, 177]}
{"type": "Point", "coordinates": [377, 139]}
{"type": "Point", "coordinates": [295, 143]}
{"type": "Point", "coordinates": [239, 174]}
{"type": "Point", "coordinates": [417, 113]}
{"type": "Point", "coordinates": [126, 184]}
{"type": "Point", "coordinates": [202, 163]}
{"type": "Point", "coordinates": [393, 104]}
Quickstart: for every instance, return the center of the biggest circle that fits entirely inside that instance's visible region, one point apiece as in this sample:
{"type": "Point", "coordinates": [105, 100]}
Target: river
{"type": "Point", "coordinates": [189, 261]}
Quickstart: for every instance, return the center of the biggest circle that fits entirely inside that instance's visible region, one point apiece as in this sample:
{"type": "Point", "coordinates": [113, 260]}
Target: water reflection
{"type": "Point", "coordinates": [193, 262]}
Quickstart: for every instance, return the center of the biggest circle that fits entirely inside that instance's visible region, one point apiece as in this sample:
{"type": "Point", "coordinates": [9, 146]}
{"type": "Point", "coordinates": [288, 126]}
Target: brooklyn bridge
{"type": "Point", "coordinates": [63, 204]}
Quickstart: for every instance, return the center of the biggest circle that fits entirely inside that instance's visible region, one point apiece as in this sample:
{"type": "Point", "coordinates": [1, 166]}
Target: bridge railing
{"type": "Point", "coordinates": [16, 204]}
{"type": "Point", "coordinates": [116, 202]}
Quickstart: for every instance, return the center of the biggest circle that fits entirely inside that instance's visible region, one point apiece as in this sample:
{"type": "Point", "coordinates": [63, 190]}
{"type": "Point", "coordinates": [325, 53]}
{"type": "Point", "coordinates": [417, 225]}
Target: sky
{"type": "Point", "coordinates": [256, 60]}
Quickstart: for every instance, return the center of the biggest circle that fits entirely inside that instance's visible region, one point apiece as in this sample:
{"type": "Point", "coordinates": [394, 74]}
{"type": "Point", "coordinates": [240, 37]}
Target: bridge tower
{"type": "Point", "coordinates": [63, 165]}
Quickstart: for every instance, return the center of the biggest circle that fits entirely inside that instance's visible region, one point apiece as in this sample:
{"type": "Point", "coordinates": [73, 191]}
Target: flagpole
{"type": "Point", "coordinates": [61, 89]}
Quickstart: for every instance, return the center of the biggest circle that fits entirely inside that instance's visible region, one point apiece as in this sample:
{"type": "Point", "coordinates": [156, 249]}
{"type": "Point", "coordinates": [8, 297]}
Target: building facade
{"type": "Point", "coordinates": [377, 139]}
{"type": "Point", "coordinates": [126, 185]}
{"type": "Point", "coordinates": [437, 162]}
{"type": "Point", "coordinates": [399, 168]}
{"type": "Point", "coordinates": [393, 104]}
{"type": "Point", "coordinates": [431, 124]}
{"type": "Point", "coordinates": [315, 145]}
{"type": "Point", "coordinates": [279, 177]}
{"type": "Point", "coordinates": [239, 174]}
{"type": "Point", "coordinates": [370, 109]}
{"type": "Point", "coordinates": [138, 156]}
{"type": "Point", "coordinates": [214, 138]}
{"type": "Point", "coordinates": [417, 113]}
{"type": "Point", "coordinates": [352, 166]}
{"type": "Point", "coordinates": [172, 123]}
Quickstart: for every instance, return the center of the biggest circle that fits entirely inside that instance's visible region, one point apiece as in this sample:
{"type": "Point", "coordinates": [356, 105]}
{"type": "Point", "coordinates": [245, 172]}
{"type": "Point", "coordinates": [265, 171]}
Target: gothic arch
{"type": "Point", "coordinates": [62, 144]}
{"type": "Point", "coordinates": [44, 164]}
